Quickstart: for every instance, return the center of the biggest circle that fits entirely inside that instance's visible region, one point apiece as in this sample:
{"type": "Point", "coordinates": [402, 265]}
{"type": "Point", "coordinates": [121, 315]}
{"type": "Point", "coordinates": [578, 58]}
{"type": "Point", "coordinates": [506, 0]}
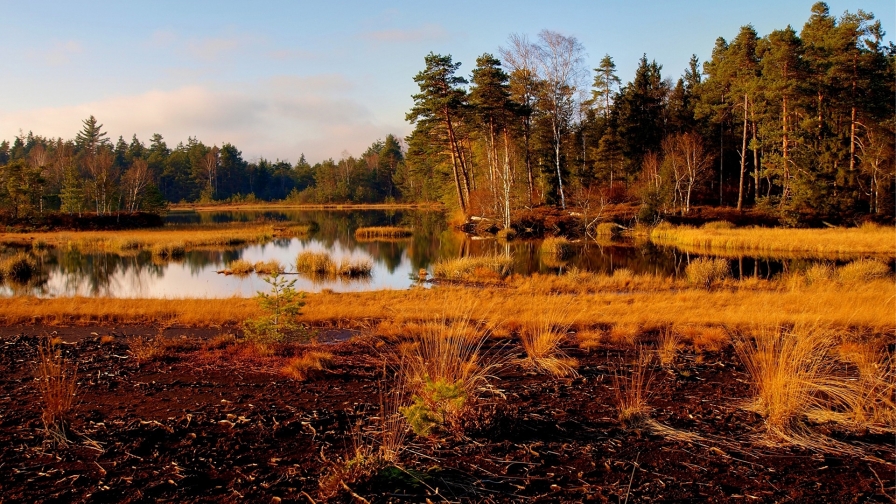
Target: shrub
{"type": "Point", "coordinates": [705, 271]}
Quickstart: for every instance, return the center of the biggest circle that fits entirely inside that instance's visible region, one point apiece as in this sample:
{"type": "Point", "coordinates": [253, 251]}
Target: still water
{"type": "Point", "coordinates": [395, 263]}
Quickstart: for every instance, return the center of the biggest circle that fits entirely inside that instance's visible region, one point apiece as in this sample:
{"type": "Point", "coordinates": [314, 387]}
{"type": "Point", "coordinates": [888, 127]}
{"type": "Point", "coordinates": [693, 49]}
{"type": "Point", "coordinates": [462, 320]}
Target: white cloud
{"type": "Point", "coordinates": [277, 118]}
{"type": "Point", "coordinates": [60, 53]}
{"type": "Point", "coordinates": [425, 33]}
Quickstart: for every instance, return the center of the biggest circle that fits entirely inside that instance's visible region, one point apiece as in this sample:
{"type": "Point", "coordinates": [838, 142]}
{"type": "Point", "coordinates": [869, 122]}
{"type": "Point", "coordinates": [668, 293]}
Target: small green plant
{"type": "Point", "coordinates": [437, 404]}
{"type": "Point", "coordinates": [282, 306]}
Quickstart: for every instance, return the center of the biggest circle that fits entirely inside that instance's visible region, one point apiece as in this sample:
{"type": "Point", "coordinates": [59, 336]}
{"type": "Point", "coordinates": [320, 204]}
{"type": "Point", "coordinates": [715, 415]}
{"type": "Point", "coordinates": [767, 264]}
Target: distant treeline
{"type": "Point", "coordinates": [797, 124]}
{"type": "Point", "coordinates": [92, 174]}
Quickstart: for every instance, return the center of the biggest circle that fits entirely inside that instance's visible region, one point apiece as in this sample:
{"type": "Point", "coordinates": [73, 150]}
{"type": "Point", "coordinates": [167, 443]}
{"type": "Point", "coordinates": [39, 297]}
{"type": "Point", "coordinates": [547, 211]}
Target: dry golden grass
{"type": "Point", "coordinates": [466, 268]}
{"type": "Point", "coordinates": [869, 305]}
{"type": "Point", "coordinates": [868, 239]}
{"type": "Point", "coordinates": [703, 338]}
{"type": "Point", "coordinates": [863, 270]}
{"type": "Point", "coordinates": [159, 239]}
{"type": "Point", "coordinates": [152, 312]}
{"type": "Point", "coordinates": [624, 334]}
{"type": "Point", "coordinates": [57, 382]}
{"type": "Point", "coordinates": [240, 267]}
{"type": "Point", "coordinates": [795, 377]}
{"type": "Point", "coordinates": [541, 339]}
{"type": "Point", "coordinates": [632, 392]}
{"type": "Point", "coordinates": [668, 345]}
{"type": "Point", "coordinates": [320, 265]}
{"type": "Point", "coordinates": [307, 365]}
{"type": "Point", "coordinates": [375, 233]}
{"type": "Point", "coordinates": [589, 339]}
{"type": "Point", "coordinates": [268, 267]}
{"type": "Point", "coordinates": [706, 271]}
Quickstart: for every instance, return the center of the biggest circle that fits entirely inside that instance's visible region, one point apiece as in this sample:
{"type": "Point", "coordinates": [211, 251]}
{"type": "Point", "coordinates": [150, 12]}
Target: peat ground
{"type": "Point", "coordinates": [199, 425]}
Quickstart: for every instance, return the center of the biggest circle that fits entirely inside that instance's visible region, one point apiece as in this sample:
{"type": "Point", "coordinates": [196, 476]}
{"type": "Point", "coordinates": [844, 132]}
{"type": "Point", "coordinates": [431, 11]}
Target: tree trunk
{"type": "Point", "coordinates": [743, 161]}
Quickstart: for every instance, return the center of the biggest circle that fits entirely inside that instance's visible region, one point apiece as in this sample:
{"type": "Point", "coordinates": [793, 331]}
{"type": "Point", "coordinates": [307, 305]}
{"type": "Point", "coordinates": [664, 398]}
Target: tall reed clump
{"type": "Point", "coordinates": [382, 232]}
{"type": "Point", "coordinates": [19, 268]}
{"type": "Point", "coordinates": [240, 267]}
{"type": "Point", "coordinates": [542, 337]}
{"type": "Point", "coordinates": [608, 229]}
{"type": "Point", "coordinates": [633, 391]}
{"type": "Point", "coordinates": [794, 376]}
{"type": "Point", "coordinates": [268, 267]}
{"type": "Point", "coordinates": [466, 268]}
{"type": "Point", "coordinates": [706, 271]}
{"type": "Point", "coordinates": [445, 370]}
{"type": "Point", "coordinates": [354, 268]}
{"type": "Point", "coordinates": [58, 386]}
{"type": "Point", "coordinates": [314, 263]}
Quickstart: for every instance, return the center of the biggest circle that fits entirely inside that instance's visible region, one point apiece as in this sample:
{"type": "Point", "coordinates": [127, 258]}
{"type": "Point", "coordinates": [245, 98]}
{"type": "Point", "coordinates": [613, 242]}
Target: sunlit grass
{"type": "Point", "coordinates": [160, 239]}
{"type": "Point", "coordinates": [470, 268]}
{"type": "Point", "coordinates": [831, 242]}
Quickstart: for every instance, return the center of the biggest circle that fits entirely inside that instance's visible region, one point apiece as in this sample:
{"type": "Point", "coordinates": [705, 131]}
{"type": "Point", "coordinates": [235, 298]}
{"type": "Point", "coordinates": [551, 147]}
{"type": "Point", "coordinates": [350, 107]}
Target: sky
{"type": "Point", "coordinates": [279, 79]}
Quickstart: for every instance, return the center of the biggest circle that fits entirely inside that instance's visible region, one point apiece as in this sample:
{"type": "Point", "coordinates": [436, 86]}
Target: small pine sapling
{"type": "Point", "coordinates": [282, 306]}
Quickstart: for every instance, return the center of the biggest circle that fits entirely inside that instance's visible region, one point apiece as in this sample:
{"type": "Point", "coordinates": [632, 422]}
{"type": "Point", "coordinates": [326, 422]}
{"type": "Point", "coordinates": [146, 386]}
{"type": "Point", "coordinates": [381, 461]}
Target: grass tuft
{"type": "Point", "coordinates": [862, 270]}
{"type": "Point", "coordinates": [541, 338]}
{"type": "Point", "coordinates": [465, 268]}
{"type": "Point", "coordinates": [705, 271]}
{"type": "Point", "coordinates": [306, 366]}
{"type": "Point", "coordinates": [19, 268]}
{"type": "Point", "coordinates": [240, 267]}
{"type": "Point", "coordinates": [374, 233]}
{"type": "Point", "coordinates": [58, 386]}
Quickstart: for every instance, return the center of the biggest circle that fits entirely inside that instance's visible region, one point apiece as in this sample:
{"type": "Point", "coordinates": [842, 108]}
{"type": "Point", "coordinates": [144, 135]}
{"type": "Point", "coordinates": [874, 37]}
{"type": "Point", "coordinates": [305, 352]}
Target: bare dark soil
{"type": "Point", "coordinates": [186, 428]}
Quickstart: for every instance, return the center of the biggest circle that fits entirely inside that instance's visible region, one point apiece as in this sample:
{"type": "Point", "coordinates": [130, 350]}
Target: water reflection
{"type": "Point", "coordinates": [396, 263]}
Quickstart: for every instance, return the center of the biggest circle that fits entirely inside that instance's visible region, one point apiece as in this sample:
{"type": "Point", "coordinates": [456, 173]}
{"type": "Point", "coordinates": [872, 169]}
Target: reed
{"type": "Point", "coordinates": [375, 233]}
{"type": "Point", "coordinates": [542, 338]}
{"type": "Point", "coordinates": [354, 268]}
{"type": "Point", "coordinates": [268, 267]}
{"type": "Point", "coordinates": [57, 382]}
{"type": "Point", "coordinates": [467, 268]}
{"type": "Point", "coordinates": [240, 267]}
{"type": "Point", "coordinates": [315, 263]}
{"type": "Point", "coordinates": [793, 376]}
{"type": "Point", "coordinates": [632, 392]}
{"type": "Point", "coordinates": [706, 271]}
{"type": "Point", "coordinates": [608, 229]}
{"type": "Point", "coordinates": [868, 239]}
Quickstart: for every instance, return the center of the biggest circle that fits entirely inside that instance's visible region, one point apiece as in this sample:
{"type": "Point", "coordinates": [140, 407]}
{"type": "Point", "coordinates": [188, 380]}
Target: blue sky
{"type": "Point", "coordinates": [278, 79]}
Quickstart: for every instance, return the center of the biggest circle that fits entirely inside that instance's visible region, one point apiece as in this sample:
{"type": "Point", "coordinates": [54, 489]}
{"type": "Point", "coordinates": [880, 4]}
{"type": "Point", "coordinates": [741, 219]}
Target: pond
{"type": "Point", "coordinates": [396, 263]}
